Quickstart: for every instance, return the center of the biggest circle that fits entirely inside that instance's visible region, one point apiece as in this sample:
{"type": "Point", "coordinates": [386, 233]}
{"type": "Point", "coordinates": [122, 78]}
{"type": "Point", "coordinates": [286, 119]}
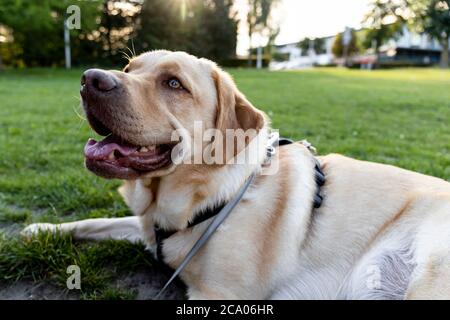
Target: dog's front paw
{"type": "Point", "coordinates": [35, 228]}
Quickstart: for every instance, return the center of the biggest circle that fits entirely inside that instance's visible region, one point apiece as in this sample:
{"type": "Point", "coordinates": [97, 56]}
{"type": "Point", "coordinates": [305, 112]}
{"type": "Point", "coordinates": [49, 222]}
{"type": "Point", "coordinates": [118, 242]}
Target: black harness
{"type": "Point", "coordinates": [161, 235]}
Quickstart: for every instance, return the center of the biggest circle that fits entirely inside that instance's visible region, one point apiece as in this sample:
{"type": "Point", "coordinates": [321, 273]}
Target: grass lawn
{"type": "Point", "coordinates": [399, 117]}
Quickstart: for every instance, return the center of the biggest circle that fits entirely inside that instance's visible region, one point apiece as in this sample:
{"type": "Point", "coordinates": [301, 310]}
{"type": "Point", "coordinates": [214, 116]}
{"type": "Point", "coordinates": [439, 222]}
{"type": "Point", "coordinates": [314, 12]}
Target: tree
{"type": "Point", "coordinates": [436, 22]}
{"type": "Point", "coordinates": [213, 30]}
{"type": "Point", "coordinates": [318, 45]}
{"type": "Point", "coordinates": [304, 45]}
{"type": "Point", "coordinates": [37, 29]}
{"type": "Point", "coordinates": [158, 26]}
{"type": "Point", "coordinates": [223, 25]}
{"type": "Point", "coordinates": [258, 20]}
{"type": "Point", "coordinates": [338, 46]}
{"type": "Point", "coordinates": [384, 22]}
{"type": "Point", "coordinates": [206, 28]}
{"type": "Point", "coordinates": [117, 22]}
{"type": "Point", "coordinates": [430, 16]}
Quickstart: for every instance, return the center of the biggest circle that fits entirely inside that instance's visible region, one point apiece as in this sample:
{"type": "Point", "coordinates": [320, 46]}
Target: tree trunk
{"type": "Point", "coordinates": [444, 53]}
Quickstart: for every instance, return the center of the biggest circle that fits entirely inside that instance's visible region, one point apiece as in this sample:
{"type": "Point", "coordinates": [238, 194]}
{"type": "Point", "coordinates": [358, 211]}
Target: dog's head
{"type": "Point", "coordinates": [139, 109]}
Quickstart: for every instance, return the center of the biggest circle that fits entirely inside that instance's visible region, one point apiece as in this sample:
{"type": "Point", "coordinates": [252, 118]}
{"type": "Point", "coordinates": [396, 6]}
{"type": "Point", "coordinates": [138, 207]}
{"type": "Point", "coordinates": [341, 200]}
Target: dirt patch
{"type": "Point", "coordinates": [10, 229]}
{"type": "Point", "coordinates": [28, 290]}
{"type": "Point", "coordinates": [146, 284]}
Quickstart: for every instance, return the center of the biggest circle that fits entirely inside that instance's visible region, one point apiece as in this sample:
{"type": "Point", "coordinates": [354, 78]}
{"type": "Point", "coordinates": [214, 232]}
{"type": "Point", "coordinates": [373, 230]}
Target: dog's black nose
{"type": "Point", "coordinates": [99, 80]}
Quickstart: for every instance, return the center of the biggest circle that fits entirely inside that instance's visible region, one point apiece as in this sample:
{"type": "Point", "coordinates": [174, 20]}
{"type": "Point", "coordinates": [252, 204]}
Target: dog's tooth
{"type": "Point", "coordinates": [152, 148]}
{"type": "Point", "coordinates": [143, 149]}
{"type": "Point", "coordinates": [111, 156]}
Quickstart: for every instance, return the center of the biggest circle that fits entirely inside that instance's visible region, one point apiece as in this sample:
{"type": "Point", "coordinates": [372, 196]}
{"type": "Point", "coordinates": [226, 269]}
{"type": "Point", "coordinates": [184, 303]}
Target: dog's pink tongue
{"type": "Point", "coordinates": [101, 150]}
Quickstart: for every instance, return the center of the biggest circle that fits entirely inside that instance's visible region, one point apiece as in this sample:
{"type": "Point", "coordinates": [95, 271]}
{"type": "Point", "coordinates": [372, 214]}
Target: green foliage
{"type": "Point", "coordinates": [8, 215]}
{"type": "Point", "coordinates": [108, 28]}
{"type": "Point", "coordinates": [111, 293]}
{"type": "Point", "coordinates": [338, 46]}
{"type": "Point", "coordinates": [318, 45]}
{"type": "Point", "coordinates": [387, 18]}
{"type": "Point", "coordinates": [277, 56]}
{"type": "Point", "coordinates": [436, 22]}
{"type": "Point", "coordinates": [258, 21]}
{"type": "Point", "coordinates": [116, 28]}
{"type": "Point", "coordinates": [380, 35]}
{"type": "Point", "coordinates": [437, 19]}
{"type": "Point", "coordinates": [37, 28]}
{"type": "Point", "coordinates": [383, 22]}
{"type": "Point", "coordinates": [259, 14]}
{"type": "Point", "coordinates": [305, 45]}
{"type": "Point", "coordinates": [10, 54]}
{"type": "Point", "coordinates": [204, 28]}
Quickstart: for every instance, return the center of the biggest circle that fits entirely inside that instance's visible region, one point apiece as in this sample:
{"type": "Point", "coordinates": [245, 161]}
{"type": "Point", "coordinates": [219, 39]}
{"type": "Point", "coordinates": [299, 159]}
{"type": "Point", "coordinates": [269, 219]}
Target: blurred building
{"type": "Point", "coordinates": [291, 56]}
{"type": "Point", "coordinates": [408, 49]}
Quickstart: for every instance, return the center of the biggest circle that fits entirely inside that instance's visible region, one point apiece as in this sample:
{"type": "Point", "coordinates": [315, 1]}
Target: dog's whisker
{"type": "Point", "coordinates": [134, 49]}
{"type": "Point", "coordinates": [126, 56]}
{"type": "Point", "coordinates": [79, 115]}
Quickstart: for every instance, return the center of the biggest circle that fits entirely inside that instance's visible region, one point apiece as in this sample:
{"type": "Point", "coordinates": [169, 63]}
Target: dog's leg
{"type": "Point", "coordinates": [94, 229]}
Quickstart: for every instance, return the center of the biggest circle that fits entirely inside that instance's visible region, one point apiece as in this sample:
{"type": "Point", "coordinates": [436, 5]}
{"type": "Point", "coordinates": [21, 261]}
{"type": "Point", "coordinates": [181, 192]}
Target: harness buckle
{"type": "Point", "coordinates": [309, 146]}
{"type": "Point", "coordinates": [271, 150]}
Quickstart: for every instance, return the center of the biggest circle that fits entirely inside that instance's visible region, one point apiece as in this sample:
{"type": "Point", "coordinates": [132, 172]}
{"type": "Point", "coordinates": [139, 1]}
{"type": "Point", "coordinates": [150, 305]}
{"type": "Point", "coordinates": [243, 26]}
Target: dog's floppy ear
{"type": "Point", "coordinates": [234, 111]}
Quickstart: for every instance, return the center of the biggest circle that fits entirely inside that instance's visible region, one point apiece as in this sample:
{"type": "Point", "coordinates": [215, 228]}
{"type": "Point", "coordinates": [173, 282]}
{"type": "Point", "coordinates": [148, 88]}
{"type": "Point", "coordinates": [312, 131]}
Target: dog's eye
{"type": "Point", "coordinates": [174, 83]}
{"type": "Point", "coordinates": [126, 70]}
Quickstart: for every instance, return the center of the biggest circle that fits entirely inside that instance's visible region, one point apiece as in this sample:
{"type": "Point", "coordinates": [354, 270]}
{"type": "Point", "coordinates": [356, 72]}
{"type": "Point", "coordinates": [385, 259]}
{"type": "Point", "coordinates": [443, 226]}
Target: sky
{"type": "Point", "coordinates": [306, 18]}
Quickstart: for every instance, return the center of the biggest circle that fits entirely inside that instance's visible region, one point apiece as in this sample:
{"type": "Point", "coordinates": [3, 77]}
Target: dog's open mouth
{"type": "Point", "coordinates": [113, 157]}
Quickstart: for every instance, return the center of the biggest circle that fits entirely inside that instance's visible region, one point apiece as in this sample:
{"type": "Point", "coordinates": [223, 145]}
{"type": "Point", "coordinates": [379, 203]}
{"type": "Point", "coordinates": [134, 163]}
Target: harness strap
{"type": "Point", "coordinates": [162, 234]}
{"type": "Point", "coordinates": [319, 175]}
{"type": "Point", "coordinates": [320, 182]}
{"type": "Point", "coordinates": [223, 214]}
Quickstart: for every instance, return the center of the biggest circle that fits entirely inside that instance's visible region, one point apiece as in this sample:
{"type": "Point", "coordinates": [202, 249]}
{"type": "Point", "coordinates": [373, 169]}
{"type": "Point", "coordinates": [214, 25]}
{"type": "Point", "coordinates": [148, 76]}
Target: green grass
{"type": "Point", "coordinates": [47, 256]}
{"type": "Point", "coordinates": [399, 117]}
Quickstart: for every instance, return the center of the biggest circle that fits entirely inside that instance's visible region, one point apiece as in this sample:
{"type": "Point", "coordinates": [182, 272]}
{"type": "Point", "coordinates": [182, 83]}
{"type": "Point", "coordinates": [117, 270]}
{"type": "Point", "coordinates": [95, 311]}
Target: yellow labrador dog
{"type": "Point", "coordinates": [381, 232]}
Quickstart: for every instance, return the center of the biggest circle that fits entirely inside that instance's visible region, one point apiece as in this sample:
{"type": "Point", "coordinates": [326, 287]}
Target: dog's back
{"type": "Point", "coordinates": [382, 233]}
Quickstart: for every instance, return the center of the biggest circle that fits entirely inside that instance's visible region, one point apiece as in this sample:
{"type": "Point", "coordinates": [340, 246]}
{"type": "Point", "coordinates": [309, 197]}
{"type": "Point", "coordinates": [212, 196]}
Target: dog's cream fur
{"type": "Point", "coordinates": [382, 232]}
